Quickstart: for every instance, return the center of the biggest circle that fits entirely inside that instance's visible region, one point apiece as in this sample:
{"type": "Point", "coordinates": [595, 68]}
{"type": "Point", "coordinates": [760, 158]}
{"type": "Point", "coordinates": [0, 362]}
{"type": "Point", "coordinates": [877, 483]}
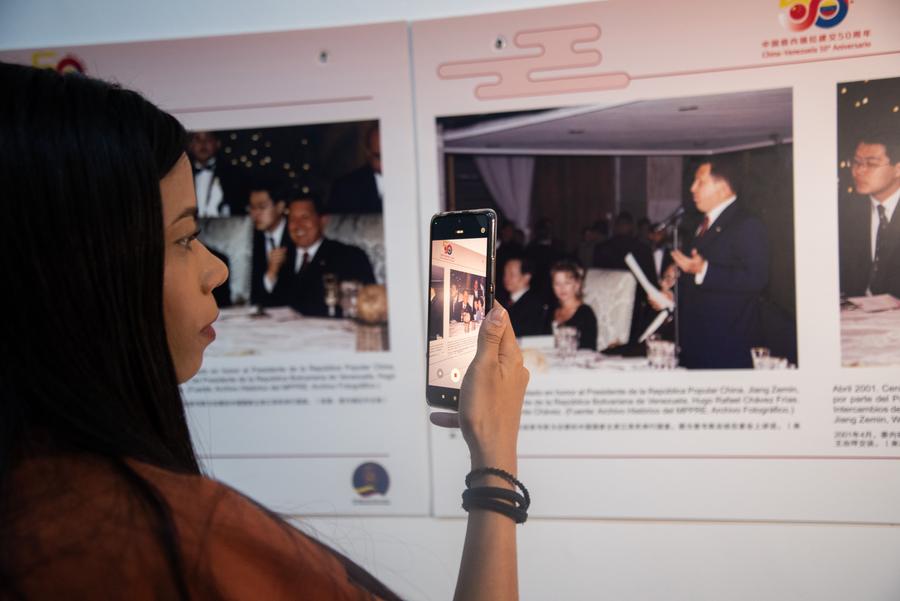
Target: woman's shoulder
{"type": "Point", "coordinates": [81, 515]}
{"type": "Point", "coordinates": [584, 311]}
{"type": "Point", "coordinates": [244, 548]}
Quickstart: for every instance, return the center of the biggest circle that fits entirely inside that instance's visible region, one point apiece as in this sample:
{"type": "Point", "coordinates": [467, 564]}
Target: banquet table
{"type": "Point", "coordinates": [870, 339]}
{"type": "Point", "coordinates": [239, 332]}
{"type": "Point", "coordinates": [540, 356]}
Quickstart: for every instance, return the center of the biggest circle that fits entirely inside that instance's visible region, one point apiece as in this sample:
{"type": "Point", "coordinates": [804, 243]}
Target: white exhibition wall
{"type": "Point", "coordinates": [777, 515]}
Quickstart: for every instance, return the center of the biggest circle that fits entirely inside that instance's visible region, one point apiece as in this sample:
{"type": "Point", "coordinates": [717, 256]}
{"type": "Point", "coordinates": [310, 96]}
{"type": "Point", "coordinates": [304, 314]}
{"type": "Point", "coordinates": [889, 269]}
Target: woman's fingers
{"type": "Point", "coordinates": [492, 331]}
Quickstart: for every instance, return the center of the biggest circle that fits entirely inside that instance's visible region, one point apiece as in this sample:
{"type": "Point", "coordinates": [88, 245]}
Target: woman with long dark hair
{"type": "Point", "coordinates": [110, 307]}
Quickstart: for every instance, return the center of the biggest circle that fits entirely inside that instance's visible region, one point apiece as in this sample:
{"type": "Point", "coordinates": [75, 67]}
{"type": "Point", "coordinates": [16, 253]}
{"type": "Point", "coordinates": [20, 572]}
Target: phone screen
{"type": "Point", "coordinates": [460, 292]}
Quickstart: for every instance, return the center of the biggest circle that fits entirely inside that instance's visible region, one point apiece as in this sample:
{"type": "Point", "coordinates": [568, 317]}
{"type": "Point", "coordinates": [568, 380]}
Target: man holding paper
{"type": "Point", "coordinates": [869, 223]}
{"type": "Point", "coordinates": [724, 275]}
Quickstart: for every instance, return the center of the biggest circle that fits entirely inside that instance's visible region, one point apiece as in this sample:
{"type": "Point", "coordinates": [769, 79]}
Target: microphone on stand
{"type": "Point", "coordinates": [670, 220]}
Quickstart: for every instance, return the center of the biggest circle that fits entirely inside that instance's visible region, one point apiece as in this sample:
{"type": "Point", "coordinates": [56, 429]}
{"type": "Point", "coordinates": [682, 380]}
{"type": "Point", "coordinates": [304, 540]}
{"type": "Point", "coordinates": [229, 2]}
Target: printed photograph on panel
{"type": "Point", "coordinates": [868, 223]}
{"type": "Point", "coordinates": [296, 214]}
{"type": "Point", "coordinates": [653, 234]}
{"type": "Point", "coordinates": [466, 303]}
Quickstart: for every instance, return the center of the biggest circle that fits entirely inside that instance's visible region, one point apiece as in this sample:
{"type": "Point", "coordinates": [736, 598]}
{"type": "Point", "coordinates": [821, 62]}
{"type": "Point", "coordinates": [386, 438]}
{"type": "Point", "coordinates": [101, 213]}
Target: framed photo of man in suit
{"type": "Point", "coordinates": [868, 221]}
{"type": "Point", "coordinates": [302, 231]}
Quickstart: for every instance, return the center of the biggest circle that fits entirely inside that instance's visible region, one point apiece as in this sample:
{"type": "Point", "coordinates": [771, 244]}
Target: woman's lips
{"type": "Point", "coordinates": [209, 332]}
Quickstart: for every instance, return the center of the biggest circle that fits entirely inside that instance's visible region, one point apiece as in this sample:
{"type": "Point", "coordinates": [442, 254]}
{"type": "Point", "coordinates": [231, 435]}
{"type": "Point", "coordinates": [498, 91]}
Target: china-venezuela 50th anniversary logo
{"type": "Point", "coordinates": [800, 15]}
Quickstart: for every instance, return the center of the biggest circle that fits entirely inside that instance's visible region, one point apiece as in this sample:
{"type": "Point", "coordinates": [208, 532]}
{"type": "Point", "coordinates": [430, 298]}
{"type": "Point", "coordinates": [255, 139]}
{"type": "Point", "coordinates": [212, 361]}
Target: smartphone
{"type": "Point", "coordinates": [460, 293]}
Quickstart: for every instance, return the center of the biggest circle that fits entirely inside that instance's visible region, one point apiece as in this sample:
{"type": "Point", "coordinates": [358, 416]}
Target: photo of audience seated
{"type": "Point", "coordinates": [302, 277]}
{"type": "Point", "coordinates": [466, 293]}
{"type": "Point", "coordinates": [582, 216]}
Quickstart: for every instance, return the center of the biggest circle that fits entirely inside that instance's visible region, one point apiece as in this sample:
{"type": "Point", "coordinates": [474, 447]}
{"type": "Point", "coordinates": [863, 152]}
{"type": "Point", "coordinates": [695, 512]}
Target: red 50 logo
{"type": "Point", "coordinates": [46, 59]}
{"type": "Point", "coordinates": [799, 15]}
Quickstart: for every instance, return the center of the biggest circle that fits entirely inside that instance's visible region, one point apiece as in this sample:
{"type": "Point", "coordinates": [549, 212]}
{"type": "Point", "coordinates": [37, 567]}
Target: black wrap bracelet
{"type": "Point", "coordinates": [495, 492]}
{"type": "Point", "coordinates": [500, 500]}
{"type": "Point", "coordinates": [512, 512]}
{"type": "Point", "coordinates": [494, 471]}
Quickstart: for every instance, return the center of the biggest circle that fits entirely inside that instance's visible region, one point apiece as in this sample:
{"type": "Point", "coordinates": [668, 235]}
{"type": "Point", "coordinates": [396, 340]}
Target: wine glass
{"type": "Point", "coordinates": [330, 283]}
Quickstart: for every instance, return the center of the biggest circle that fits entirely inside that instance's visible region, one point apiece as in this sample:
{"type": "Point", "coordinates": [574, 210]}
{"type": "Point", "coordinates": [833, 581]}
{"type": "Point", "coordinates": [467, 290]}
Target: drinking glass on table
{"type": "Point", "coordinates": [565, 340]}
{"type": "Point", "coordinates": [330, 283]}
{"type": "Point", "coordinates": [349, 292]}
{"type": "Point", "coordinates": [661, 353]}
{"type": "Point", "coordinates": [760, 355]}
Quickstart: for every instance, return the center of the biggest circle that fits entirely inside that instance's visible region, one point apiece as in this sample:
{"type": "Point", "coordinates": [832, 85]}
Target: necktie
{"type": "Point", "coordinates": [880, 237]}
{"type": "Point", "coordinates": [304, 262]}
{"type": "Point", "coordinates": [703, 226]}
{"type": "Point", "coordinates": [270, 243]}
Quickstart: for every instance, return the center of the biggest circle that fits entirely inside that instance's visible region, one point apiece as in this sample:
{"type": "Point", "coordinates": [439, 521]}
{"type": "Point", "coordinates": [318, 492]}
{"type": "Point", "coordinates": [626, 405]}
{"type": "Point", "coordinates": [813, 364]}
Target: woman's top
{"type": "Point", "coordinates": [79, 531]}
{"type": "Point", "coordinates": [582, 320]}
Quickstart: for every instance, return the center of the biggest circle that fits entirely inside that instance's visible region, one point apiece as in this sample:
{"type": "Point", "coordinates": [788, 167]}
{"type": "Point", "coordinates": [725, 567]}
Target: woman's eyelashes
{"type": "Point", "coordinates": [186, 241]}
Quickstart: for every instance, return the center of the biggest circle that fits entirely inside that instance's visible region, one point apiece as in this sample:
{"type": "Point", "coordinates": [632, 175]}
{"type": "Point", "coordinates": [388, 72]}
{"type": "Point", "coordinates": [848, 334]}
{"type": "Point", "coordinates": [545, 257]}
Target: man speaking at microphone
{"type": "Point", "coordinates": [724, 275]}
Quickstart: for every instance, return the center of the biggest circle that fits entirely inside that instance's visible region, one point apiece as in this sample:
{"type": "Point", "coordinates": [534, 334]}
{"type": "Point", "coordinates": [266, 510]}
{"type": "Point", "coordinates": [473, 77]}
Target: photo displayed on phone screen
{"type": "Point", "coordinates": [456, 307]}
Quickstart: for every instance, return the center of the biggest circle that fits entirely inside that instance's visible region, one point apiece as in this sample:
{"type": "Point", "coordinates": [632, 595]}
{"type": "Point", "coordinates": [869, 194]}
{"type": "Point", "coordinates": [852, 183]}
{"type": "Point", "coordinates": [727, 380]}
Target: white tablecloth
{"type": "Point", "coordinates": [540, 356]}
{"type": "Point", "coordinates": [281, 330]}
{"type": "Point", "coordinates": [870, 339]}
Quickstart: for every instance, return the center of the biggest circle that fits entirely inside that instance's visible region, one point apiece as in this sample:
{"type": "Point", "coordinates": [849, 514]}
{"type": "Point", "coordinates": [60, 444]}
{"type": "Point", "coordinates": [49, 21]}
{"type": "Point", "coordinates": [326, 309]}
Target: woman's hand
{"type": "Point", "coordinates": [490, 405]}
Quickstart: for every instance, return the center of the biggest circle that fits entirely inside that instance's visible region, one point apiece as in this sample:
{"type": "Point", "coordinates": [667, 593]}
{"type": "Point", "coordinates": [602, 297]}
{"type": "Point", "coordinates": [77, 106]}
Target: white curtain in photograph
{"type": "Point", "coordinates": [508, 179]}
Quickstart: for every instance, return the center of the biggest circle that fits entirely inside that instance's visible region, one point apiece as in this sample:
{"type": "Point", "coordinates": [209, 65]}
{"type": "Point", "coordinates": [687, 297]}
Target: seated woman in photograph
{"type": "Point", "coordinates": [111, 304]}
{"type": "Point", "coordinates": [567, 278]}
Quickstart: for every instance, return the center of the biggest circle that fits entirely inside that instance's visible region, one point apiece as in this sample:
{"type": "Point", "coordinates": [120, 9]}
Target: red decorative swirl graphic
{"type": "Point", "coordinates": [800, 17]}
{"type": "Point", "coordinates": [68, 64]}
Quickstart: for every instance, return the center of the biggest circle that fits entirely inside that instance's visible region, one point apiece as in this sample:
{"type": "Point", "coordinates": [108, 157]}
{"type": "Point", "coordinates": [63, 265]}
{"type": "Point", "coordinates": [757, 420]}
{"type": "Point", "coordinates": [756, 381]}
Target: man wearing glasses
{"type": "Point", "coordinates": [870, 223]}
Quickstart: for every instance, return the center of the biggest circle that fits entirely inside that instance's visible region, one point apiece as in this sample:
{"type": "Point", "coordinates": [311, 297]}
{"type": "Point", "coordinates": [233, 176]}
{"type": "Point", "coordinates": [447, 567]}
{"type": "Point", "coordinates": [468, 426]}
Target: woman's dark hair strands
{"type": "Point", "coordinates": [84, 360]}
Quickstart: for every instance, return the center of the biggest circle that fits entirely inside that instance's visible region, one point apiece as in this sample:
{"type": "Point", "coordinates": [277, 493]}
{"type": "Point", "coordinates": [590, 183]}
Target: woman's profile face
{"type": "Point", "coordinates": [191, 274]}
{"type": "Point", "coordinates": [565, 286]}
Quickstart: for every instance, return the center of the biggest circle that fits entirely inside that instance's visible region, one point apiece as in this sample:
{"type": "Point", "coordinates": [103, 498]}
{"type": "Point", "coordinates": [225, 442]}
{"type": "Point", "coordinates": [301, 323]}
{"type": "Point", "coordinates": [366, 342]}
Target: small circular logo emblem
{"type": "Point", "coordinates": [369, 479]}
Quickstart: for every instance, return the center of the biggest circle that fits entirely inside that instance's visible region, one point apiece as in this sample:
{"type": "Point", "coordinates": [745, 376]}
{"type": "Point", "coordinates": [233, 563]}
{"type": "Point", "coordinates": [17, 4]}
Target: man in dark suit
{"type": "Point", "coordinates": [269, 270]}
{"type": "Point", "coordinates": [360, 191]}
{"type": "Point", "coordinates": [315, 258]}
{"type": "Point", "coordinates": [219, 189]}
{"type": "Point", "coordinates": [526, 308]}
{"type": "Point", "coordinates": [724, 275]}
{"type": "Point", "coordinates": [869, 222]}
